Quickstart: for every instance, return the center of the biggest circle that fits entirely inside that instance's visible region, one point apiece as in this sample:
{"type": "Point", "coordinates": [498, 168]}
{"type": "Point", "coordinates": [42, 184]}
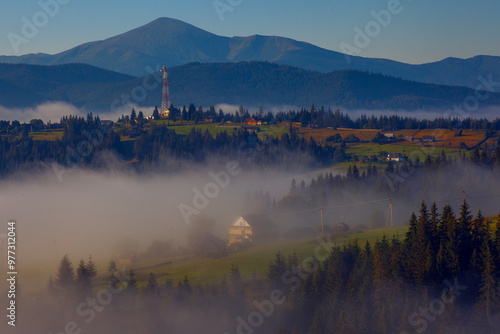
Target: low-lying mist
{"type": "Point", "coordinates": [53, 111]}
{"type": "Point", "coordinates": [90, 213]}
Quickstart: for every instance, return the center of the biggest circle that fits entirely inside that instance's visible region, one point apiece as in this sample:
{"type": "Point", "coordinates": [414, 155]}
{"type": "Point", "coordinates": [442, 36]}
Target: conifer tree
{"type": "Point", "coordinates": [488, 290]}
{"type": "Point", "coordinates": [276, 270]}
{"type": "Point", "coordinates": [152, 286]}
{"type": "Point", "coordinates": [464, 236]}
{"type": "Point", "coordinates": [131, 281]}
{"type": "Point", "coordinates": [83, 279]}
{"type": "Point", "coordinates": [65, 276]}
{"type": "Point", "coordinates": [92, 271]}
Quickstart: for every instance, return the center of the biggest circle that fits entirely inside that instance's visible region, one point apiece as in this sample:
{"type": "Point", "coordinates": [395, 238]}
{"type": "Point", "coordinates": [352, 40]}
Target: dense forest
{"type": "Point", "coordinates": [441, 277]}
{"type": "Point", "coordinates": [246, 83]}
{"type": "Point", "coordinates": [86, 142]}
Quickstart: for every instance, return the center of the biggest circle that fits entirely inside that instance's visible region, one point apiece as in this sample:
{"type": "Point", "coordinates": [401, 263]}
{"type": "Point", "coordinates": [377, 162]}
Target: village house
{"type": "Point", "coordinates": [251, 121]}
{"type": "Point", "coordinates": [249, 228]}
{"type": "Point", "coordinates": [396, 157]}
{"type": "Point", "coordinates": [428, 139]}
{"type": "Point", "coordinates": [409, 138]}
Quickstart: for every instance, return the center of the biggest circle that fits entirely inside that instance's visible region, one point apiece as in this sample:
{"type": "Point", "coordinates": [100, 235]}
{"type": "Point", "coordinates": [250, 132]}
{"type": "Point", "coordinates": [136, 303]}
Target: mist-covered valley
{"type": "Point", "coordinates": [127, 227]}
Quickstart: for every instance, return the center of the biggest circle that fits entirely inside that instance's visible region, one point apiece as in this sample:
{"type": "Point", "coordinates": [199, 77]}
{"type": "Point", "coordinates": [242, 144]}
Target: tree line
{"type": "Point", "coordinates": [442, 276]}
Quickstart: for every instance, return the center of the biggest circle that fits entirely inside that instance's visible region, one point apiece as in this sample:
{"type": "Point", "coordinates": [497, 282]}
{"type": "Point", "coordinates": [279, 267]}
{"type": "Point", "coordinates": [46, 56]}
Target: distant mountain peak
{"type": "Point", "coordinates": [173, 42]}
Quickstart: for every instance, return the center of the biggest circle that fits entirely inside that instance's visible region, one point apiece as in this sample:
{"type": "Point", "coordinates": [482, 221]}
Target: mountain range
{"type": "Point", "coordinates": [251, 84]}
{"type": "Point", "coordinates": [171, 42]}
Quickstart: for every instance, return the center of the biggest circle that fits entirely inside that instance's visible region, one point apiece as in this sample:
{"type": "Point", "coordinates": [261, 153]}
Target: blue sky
{"type": "Point", "coordinates": [422, 30]}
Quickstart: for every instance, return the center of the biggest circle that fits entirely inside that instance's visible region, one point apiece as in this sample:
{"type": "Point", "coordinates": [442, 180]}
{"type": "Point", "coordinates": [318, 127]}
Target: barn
{"type": "Point", "coordinates": [249, 228]}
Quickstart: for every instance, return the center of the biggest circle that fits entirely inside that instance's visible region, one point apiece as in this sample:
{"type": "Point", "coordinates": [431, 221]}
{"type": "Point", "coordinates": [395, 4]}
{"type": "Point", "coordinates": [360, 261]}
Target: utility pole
{"type": "Point", "coordinates": [322, 229]}
{"type": "Point", "coordinates": [389, 215]}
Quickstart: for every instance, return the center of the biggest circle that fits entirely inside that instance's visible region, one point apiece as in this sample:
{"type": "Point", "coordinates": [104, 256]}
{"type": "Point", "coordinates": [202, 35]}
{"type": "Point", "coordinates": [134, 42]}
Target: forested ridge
{"type": "Point", "coordinates": [442, 276]}
{"type": "Point", "coordinates": [86, 141]}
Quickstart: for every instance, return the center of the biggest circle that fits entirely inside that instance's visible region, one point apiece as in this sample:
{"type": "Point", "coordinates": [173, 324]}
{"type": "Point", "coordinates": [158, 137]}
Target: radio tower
{"type": "Point", "coordinates": [165, 94]}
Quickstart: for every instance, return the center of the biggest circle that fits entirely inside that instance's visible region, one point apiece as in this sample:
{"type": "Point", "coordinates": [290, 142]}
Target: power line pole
{"type": "Point", "coordinates": [322, 229]}
{"type": "Point", "coordinates": [389, 215]}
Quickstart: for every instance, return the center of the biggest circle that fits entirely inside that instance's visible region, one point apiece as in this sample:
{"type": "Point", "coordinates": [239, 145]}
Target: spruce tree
{"type": "Point", "coordinates": [488, 290]}
{"type": "Point", "coordinates": [152, 287]}
{"type": "Point", "coordinates": [276, 270]}
{"type": "Point", "coordinates": [92, 271]}
{"type": "Point", "coordinates": [82, 279]}
{"type": "Point", "coordinates": [65, 276]}
{"type": "Point", "coordinates": [111, 267]}
{"type": "Point", "coordinates": [464, 236]}
{"type": "Point", "coordinates": [131, 281]}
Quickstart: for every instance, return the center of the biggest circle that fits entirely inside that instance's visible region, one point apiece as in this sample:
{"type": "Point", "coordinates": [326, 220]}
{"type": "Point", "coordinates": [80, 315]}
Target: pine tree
{"type": "Point", "coordinates": [111, 267]}
{"type": "Point", "coordinates": [464, 237]}
{"type": "Point", "coordinates": [156, 114]}
{"type": "Point", "coordinates": [133, 117]}
{"type": "Point", "coordinates": [152, 287]}
{"type": "Point", "coordinates": [91, 268]}
{"type": "Point", "coordinates": [131, 281]}
{"type": "Point", "coordinates": [65, 276]}
{"type": "Point", "coordinates": [488, 292]}
{"type": "Point", "coordinates": [276, 270]}
{"type": "Point", "coordinates": [82, 279]}
{"type": "Point", "coordinates": [114, 281]}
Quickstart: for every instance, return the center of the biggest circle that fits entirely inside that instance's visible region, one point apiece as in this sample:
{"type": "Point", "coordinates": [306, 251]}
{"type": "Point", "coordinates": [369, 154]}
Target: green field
{"type": "Point", "coordinates": [412, 151]}
{"type": "Point", "coordinates": [214, 129]}
{"type": "Point", "coordinates": [47, 135]}
{"type": "Point", "coordinates": [255, 260]}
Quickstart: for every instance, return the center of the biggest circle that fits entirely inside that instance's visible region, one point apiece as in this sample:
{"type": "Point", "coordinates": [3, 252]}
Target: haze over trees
{"type": "Point", "coordinates": [441, 276]}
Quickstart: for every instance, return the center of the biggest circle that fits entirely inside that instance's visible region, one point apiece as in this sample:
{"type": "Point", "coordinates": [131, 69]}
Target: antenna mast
{"type": "Point", "coordinates": [165, 92]}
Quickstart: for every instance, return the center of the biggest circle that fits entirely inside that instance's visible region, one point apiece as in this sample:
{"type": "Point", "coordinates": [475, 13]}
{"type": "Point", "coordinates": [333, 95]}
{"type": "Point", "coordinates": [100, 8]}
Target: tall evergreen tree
{"type": "Point", "coordinates": [464, 236]}
{"type": "Point", "coordinates": [91, 268]}
{"type": "Point", "coordinates": [488, 301]}
{"type": "Point", "coordinates": [83, 279]}
{"type": "Point", "coordinates": [152, 286]}
{"type": "Point", "coordinates": [65, 276]}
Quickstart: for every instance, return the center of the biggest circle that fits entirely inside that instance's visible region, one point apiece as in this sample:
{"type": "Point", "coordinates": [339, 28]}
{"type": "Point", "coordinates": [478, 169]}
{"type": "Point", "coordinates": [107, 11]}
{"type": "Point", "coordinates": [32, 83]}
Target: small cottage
{"type": "Point", "coordinates": [249, 228]}
{"type": "Point", "coordinates": [396, 157]}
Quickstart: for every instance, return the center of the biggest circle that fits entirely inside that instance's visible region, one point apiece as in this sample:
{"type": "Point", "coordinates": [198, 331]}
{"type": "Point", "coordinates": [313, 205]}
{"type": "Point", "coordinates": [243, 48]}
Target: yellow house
{"type": "Point", "coordinates": [240, 232]}
{"type": "Point", "coordinates": [249, 228]}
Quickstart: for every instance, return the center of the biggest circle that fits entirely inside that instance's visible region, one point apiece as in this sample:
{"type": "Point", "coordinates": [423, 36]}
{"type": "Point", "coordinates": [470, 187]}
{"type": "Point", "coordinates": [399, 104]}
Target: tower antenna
{"type": "Point", "coordinates": [165, 93]}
